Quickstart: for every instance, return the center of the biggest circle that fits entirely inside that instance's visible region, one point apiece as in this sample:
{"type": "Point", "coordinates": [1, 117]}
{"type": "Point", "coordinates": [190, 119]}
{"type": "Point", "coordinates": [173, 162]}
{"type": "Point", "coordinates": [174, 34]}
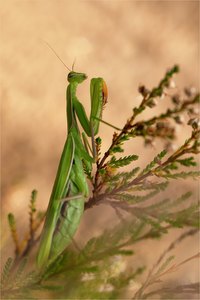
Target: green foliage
{"type": "Point", "coordinates": [121, 179]}
{"type": "Point", "coordinates": [149, 96]}
{"type": "Point", "coordinates": [11, 221]}
{"type": "Point", "coordinates": [125, 176]}
{"type": "Point", "coordinates": [6, 271]}
{"type": "Point", "coordinates": [164, 267]}
{"type": "Point", "coordinates": [187, 162]}
{"type": "Point", "coordinates": [100, 269]}
{"type": "Point", "coordinates": [15, 280]}
{"type": "Point", "coordinates": [35, 220]}
{"type": "Point", "coordinates": [87, 171]}
{"type": "Point", "coordinates": [33, 200]}
{"type": "Point", "coordinates": [117, 149]}
{"type": "Point", "coordinates": [98, 143]}
{"type": "Point", "coordinates": [138, 110]}
{"type": "Point", "coordinates": [183, 175]}
{"type": "Point", "coordinates": [86, 273]}
{"type": "Point", "coordinates": [154, 162]}
{"type": "Point", "coordinates": [165, 81]}
{"type": "Point", "coordinates": [121, 162]}
{"type": "Point", "coordinates": [13, 230]}
{"type": "Point", "coordinates": [135, 198]}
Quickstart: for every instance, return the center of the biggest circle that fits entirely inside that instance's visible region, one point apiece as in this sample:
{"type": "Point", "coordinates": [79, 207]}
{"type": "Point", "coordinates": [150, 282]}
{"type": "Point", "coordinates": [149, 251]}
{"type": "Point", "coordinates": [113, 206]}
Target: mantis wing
{"type": "Point", "coordinates": [72, 210]}
{"type": "Point", "coordinates": [58, 192]}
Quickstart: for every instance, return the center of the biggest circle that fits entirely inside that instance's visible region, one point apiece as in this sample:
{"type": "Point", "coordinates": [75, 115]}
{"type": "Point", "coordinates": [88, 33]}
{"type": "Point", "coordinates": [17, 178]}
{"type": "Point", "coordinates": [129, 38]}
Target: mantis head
{"type": "Point", "coordinates": [72, 76]}
{"type": "Point", "coordinates": [76, 77]}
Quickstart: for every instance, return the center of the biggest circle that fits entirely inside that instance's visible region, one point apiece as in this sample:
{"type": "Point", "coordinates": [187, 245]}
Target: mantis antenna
{"type": "Point", "coordinates": [73, 64]}
{"type": "Point", "coordinates": [48, 45]}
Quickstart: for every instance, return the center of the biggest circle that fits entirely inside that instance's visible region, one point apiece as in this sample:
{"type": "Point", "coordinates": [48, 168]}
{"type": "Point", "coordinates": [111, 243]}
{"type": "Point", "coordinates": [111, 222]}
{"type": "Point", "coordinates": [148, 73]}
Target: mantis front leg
{"type": "Point", "coordinates": [99, 95]}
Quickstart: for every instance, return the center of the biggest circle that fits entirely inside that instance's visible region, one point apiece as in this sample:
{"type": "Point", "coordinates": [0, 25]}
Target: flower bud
{"type": "Point", "coordinates": [179, 119]}
{"type": "Point", "coordinates": [194, 122]}
{"type": "Point", "coordinates": [149, 142]}
{"type": "Point", "coordinates": [143, 90]}
{"type": "Point", "coordinates": [194, 110]}
{"type": "Point", "coordinates": [176, 99]}
{"type": "Point", "coordinates": [190, 91]}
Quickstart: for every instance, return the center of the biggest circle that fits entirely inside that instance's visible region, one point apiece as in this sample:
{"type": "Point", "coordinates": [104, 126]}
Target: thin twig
{"type": "Point", "coordinates": [152, 278]}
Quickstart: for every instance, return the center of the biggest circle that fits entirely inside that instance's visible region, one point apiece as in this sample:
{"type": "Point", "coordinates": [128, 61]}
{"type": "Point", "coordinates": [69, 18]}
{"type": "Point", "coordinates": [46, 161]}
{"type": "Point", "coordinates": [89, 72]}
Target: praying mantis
{"type": "Point", "coordinates": [70, 190]}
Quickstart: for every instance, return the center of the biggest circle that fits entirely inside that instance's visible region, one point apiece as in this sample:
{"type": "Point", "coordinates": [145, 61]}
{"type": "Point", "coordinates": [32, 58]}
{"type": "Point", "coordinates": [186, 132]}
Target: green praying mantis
{"type": "Point", "coordinates": [70, 188]}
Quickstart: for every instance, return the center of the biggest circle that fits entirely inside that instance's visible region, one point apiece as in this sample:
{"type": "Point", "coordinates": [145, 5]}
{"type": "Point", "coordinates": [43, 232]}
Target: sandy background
{"type": "Point", "coordinates": [125, 42]}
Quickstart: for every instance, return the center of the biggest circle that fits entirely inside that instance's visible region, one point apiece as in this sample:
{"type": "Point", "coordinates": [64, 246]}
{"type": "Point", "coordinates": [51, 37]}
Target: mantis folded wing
{"type": "Point", "coordinates": [62, 219]}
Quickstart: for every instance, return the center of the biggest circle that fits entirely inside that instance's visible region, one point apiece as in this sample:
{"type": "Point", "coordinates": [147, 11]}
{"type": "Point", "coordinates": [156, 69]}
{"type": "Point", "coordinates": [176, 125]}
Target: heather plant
{"type": "Point", "coordinates": [143, 208]}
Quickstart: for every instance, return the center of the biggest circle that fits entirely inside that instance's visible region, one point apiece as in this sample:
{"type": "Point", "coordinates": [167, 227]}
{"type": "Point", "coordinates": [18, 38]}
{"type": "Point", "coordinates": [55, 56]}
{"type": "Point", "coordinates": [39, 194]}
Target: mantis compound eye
{"type": "Point", "coordinates": [76, 77]}
{"type": "Point", "coordinates": [70, 75]}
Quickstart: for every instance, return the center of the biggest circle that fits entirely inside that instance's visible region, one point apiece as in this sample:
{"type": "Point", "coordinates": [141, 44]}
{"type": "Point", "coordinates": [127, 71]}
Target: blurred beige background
{"type": "Point", "coordinates": [125, 42]}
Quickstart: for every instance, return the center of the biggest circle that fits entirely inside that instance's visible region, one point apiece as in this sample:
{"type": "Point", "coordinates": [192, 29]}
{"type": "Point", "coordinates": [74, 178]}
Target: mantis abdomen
{"type": "Point", "coordinates": [72, 210]}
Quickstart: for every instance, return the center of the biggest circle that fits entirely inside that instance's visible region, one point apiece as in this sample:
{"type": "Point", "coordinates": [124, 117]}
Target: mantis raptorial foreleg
{"type": "Point", "coordinates": [70, 184]}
